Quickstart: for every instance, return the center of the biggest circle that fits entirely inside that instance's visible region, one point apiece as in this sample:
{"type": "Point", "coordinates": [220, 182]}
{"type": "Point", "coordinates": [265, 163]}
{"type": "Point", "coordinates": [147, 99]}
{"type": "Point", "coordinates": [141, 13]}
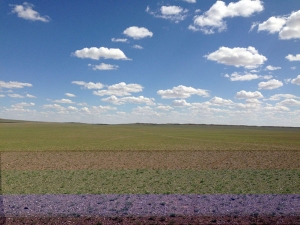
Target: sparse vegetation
{"type": "Point", "coordinates": [79, 158]}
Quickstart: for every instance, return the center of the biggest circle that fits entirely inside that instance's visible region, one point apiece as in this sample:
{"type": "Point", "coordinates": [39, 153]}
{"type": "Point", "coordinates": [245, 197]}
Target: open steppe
{"type": "Point", "coordinates": [143, 159]}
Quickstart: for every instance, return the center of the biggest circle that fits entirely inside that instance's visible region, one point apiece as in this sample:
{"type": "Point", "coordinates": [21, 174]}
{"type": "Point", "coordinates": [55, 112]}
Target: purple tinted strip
{"type": "Point", "coordinates": [151, 204]}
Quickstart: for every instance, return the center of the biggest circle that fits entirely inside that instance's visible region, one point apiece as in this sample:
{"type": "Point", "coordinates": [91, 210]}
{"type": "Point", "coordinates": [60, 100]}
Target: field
{"type": "Point", "coordinates": [70, 158]}
{"type": "Point", "coordinates": [143, 158]}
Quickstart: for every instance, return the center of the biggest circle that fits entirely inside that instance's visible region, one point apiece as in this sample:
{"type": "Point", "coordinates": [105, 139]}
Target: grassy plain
{"type": "Point", "coordinates": [70, 158]}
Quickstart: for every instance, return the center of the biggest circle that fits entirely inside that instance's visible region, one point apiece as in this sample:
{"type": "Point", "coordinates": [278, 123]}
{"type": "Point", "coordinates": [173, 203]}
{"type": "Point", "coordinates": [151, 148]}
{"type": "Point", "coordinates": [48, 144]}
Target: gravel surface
{"type": "Point", "coordinates": [150, 205]}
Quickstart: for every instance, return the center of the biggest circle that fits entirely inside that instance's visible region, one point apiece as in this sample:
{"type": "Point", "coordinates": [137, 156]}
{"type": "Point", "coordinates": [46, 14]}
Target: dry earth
{"type": "Point", "coordinates": [199, 160]}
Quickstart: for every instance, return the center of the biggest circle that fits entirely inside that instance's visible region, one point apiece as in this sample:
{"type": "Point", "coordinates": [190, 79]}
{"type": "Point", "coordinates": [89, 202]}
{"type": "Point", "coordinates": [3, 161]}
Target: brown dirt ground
{"type": "Point", "coordinates": [244, 220]}
{"type": "Point", "coordinates": [199, 160]}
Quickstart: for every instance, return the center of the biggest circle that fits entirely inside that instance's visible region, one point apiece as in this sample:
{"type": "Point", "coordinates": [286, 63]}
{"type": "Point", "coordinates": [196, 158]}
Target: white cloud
{"type": "Point", "coordinates": [30, 96]}
{"type": "Point", "coordinates": [89, 85]}
{"type": "Point", "coordinates": [296, 80]}
{"type": "Point", "coordinates": [64, 101]}
{"type": "Point", "coordinates": [249, 95]}
{"type": "Point", "coordinates": [135, 100]}
{"type": "Point", "coordinates": [104, 66]}
{"type": "Point", "coordinates": [100, 109]}
{"type": "Point", "coordinates": [21, 96]}
{"type": "Point", "coordinates": [124, 40]}
{"type": "Point", "coordinates": [293, 67]}
{"type": "Point", "coordinates": [54, 106]}
{"type": "Point", "coordinates": [272, 25]}
{"type": "Point", "coordinates": [220, 101]}
{"type": "Point", "coordinates": [238, 77]}
{"type": "Point", "coordinates": [182, 92]}
{"type": "Point", "coordinates": [289, 102]}
{"type": "Point", "coordinates": [214, 17]}
{"type": "Point", "coordinates": [85, 110]}
{"type": "Point", "coordinates": [137, 47]}
{"type": "Point", "coordinates": [137, 32]}
{"type": "Point", "coordinates": [2, 96]}
{"type": "Point", "coordinates": [23, 104]}
{"type": "Point", "coordinates": [293, 57]}
{"type": "Point", "coordinates": [164, 107]}
{"type": "Point", "coordinates": [190, 1]}
{"type": "Point", "coordinates": [70, 95]}
{"type": "Point", "coordinates": [270, 84]}
{"type": "Point", "coordinates": [144, 111]}
{"type": "Point", "coordinates": [276, 108]}
{"type": "Point", "coordinates": [245, 57]}
{"type": "Point", "coordinates": [120, 89]}
{"type": "Point", "coordinates": [269, 67]}
{"type": "Point", "coordinates": [277, 97]}
{"type": "Point", "coordinates": [292, 27]}
{"type": "Point", "coordinates": [26, 12]}
{"type": "Point", "coordinates": [180, 103]}
{"type": "Point", "coordinates": [173, 13]}
{"type": "Point", "coordinates": [288, 27]}
{"type": "Point", "coordinates": [14, 84]}
{"type": "Point", "coordinates": [102, 52]}
{"type": "Point", "coordinates": [72, 108]}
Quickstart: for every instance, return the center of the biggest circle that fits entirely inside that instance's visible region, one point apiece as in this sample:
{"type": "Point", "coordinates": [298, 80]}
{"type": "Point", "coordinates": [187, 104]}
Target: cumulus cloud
{"type": "Point", "coordinates": [296, 80]}
{"type": "Point", "coordinates": [220, 101]}
{"type": "Point", "coordinates": [135, 100]}
{"type": "Point", "coordinates": [14, 84]}
{"type": "Point", "coordinates": [70, 95]}
{"type": "Point", "coordinates": [289, 102]}
{"type": "Point", "coordinates": [270, 84]}
{"type": "Point", "coordinates": [182, 92]}
{"type": "Point", "coordinates": [272, 25]}
{"type": "Point", "coordinates": [277, 97]}
{"type": "Point", "coordinates": [100, 109]}
{"type": "Point", "coordinates": [213, 19]}
{"type": "Point", "coordinates": [245, 57]}
{"type": "Point", "coordinates": [104, 66]}
{"type": "Point", "coordinates": [23, 104]}
{"type": "Point", "coordinates": [64, 101]}
{"type": "Point", "coordinates": [54, 106]}
{"type": "Point", "coordinates": [26, 12]}
{"type": "Point", "coordinates": [293, 57]}
{"type": "Point", "coordinates": [292, 27]}
{"type": "Point", "coordinates": [89, 85]}
{"type": "Point", "coordinates": [144, 111]}
{"type": "Point", "coordinates": [269, 67]}
{"type": "Point", "coordinates": [180, 103]}
{"type": "Point", "coordinates": [21, 96]}
{"type": "Point", "coordinates": [2, 96]}
{"type": "Point", "coordinates": [164, 107]}
{"type": "Point", "coordinates": [288, 27]}
{"type": "Point", "coordinates": [102, 52]}
{"type": "Point", "coordinates": [173, 13]}
{"type": "Point", "coordinates": [124, 40]}
{"type": "Point", "coordinates": [249, 95]}
{"type": "Point", "coordinates": [137, 32]}
{"type": "Point", "coordinates": [239, 77]}
{"type": "Point", "coordinates": [120, 89]}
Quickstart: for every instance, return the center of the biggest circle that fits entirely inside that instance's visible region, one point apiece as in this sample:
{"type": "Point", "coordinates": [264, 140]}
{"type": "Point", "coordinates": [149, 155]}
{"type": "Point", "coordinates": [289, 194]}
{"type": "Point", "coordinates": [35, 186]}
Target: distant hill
{"type": "Point", "coordinates": [13, 121]}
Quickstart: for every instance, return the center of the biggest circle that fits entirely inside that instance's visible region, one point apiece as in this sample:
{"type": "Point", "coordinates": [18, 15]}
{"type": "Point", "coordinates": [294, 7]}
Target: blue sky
{"type": "Point", "coordinates": [175, 61]}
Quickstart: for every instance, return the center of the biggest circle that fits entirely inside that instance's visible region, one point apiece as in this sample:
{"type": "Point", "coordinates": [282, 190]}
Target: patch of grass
{"type": "Point", "coordinates": [70, 137]}
{"type": "Point", "coordinates": [137, 182]}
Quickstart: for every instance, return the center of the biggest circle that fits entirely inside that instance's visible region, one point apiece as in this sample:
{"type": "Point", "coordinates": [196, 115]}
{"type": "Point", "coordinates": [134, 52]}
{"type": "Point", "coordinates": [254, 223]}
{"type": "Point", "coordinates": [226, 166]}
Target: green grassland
{"type": "Point", "coordinates": [75, 158]}
{"type": "Point", "coordinates": [146, 181]}
{"type": "Point", "coordinates": [68, 137]}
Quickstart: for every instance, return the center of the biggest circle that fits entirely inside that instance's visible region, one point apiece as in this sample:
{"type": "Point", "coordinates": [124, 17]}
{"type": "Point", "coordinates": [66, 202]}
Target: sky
{"type": "Point", "coordinates": [151, 61]}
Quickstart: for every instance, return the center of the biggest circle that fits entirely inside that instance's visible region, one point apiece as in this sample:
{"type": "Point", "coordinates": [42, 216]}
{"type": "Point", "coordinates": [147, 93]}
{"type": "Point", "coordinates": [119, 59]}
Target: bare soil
{"type": "Point", "coordinates": [159, 220]}
{"type": "Point", "coordinates": [200, 160]}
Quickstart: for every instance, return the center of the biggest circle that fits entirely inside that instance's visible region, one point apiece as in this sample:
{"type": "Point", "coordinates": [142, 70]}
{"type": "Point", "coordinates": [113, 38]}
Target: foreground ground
{"type": "Point", "coordinates": [49, 158]}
